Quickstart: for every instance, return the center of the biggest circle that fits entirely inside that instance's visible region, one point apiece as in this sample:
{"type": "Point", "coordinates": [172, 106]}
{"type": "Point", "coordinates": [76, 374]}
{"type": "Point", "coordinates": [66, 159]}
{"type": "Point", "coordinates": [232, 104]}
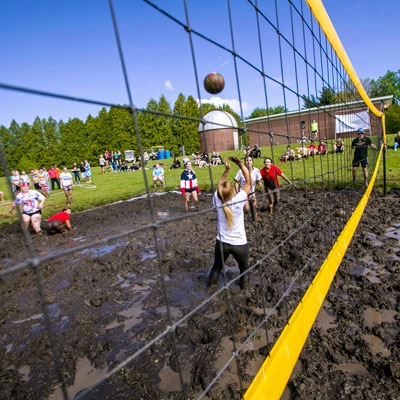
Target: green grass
{"type": "Point", "coordinates": [112, 187]}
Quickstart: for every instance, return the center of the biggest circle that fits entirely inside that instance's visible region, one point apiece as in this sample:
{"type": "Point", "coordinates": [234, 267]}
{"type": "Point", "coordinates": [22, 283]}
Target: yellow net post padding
{"type": "Point", "coordinates": [275, 372]}
{"type": "Point", "coordinates": [272, 377]}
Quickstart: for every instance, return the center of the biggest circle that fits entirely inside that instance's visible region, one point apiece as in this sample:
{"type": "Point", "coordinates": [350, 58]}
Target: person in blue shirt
{"type": "Point", "coordinates": [158, 175]}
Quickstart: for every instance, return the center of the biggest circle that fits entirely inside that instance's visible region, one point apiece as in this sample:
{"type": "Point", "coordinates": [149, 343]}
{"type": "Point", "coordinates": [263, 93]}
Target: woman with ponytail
{"type": "Point", "coordinates": [231, 235]}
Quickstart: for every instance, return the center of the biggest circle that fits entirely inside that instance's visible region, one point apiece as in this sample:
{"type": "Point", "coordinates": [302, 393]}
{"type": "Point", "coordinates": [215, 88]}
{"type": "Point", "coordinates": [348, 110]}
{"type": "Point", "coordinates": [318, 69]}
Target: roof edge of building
{"type": "Point", "coordinates": [313, 109]}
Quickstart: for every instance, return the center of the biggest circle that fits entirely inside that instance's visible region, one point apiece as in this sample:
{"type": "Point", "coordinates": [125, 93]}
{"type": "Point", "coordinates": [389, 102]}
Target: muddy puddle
{"type": "Point", "coordinates": [108, 301]}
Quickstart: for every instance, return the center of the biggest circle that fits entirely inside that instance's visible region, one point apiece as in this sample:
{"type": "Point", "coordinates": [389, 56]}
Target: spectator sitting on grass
{"type": "Point", "coordinates": [204, 160]}
{"type": "Point", "coordinates": [215, 159]}
{"type": "Point", "coordinates": [124, 166]}
{"type": "Point", "coordinates": [312, 149]}
{"type": "Point", "coordinates": [303, 151]}
{"type": "Point", "coordinates": [134, 167]}
{"type": "Point", "coordinates": [185, 159]}
{"type": "Point", "coordinates": [197, 160]}
{"type": "Point", "coordinates": [158, 175]}
{"type": "Point", "coordinates": [322, 148]}
{"type": "Point", "coordinates": [290, 154]}
{"type": "Point", "coordinates": [256, 151]}
{"type": "Point", "coordinates": [338, 147]}
{"type": "Point", "coordinates": [175, 164]}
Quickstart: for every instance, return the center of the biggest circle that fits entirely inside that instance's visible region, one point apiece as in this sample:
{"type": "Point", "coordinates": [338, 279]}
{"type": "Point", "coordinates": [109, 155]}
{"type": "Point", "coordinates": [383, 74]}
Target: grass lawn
{"type": "Point", "coordinates": [112, 187]}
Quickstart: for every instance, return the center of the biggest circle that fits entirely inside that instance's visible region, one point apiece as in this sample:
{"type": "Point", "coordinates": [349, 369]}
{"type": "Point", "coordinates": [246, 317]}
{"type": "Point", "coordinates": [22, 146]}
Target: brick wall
{"type": "Point", "coordinates": [282, 126]}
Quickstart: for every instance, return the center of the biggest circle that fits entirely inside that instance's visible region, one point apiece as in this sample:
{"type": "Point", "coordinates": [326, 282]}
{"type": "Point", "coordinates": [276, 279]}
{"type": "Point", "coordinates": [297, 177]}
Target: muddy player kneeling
{"type": "Point", "coordinates": [58, 223]}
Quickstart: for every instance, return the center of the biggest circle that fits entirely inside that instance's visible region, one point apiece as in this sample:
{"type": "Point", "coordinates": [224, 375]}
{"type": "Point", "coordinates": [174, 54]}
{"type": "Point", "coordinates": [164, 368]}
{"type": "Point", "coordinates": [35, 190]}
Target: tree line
{"type": "Point", "coordinates": [49, 142]}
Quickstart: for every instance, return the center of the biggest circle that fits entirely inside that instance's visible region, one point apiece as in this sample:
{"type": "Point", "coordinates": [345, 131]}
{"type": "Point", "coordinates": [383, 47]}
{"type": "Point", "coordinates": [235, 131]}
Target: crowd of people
{"type": "Point", "coordinates": [266, 180]}
{"type": "Point", "coordinates": [204, 160]}
{"type": "Point", "coordinates": [49, 180]}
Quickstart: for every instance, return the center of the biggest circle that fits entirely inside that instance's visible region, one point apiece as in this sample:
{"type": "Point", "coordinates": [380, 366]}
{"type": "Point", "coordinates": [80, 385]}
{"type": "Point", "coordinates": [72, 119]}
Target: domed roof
{"type": "Point", "coordinates": [218, 119]}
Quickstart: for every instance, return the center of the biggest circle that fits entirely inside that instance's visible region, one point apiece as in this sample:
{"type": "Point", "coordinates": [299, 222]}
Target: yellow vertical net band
{"type": "Point", "coordinates": [274, 374]}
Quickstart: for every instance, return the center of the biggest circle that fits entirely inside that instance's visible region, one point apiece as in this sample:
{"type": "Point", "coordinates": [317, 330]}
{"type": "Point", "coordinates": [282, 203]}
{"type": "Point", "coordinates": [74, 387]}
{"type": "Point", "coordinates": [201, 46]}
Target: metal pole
{"type": "Point", "coordinates": [384, 158]}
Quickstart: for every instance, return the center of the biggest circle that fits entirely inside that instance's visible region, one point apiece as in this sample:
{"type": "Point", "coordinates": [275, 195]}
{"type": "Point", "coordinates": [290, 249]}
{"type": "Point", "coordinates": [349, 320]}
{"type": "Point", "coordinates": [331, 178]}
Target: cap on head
{"type": "Point", "coordinates": [360, 131]}
{"type": "Point", "coordinates": [25, 185]}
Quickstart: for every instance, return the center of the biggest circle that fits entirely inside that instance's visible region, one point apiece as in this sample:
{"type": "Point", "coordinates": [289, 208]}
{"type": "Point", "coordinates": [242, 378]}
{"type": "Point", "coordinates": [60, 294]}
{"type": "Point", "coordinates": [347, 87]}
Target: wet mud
{"type": "Point", "coordinates": [108, 301]}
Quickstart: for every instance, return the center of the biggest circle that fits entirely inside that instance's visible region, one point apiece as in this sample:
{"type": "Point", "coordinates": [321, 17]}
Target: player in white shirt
{"type": "Point", "coordinates": [256, 179]}
{"type": "Point", "coordinates": [66, 184]}
{"type": "Point", "coordinates": [231, 235]}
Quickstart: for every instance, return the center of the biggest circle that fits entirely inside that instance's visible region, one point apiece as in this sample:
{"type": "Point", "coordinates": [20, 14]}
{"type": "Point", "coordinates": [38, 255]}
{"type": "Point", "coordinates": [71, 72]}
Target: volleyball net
{"type": "Point", "coordinates": [291, 65]}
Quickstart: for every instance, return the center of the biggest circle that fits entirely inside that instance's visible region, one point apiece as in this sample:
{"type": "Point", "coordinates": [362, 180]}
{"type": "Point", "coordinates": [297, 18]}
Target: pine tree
{"type": "Point", "coordinates": [122, 135]}
{"type": "Point", "coordinates": [51, 143]}
{"type": "Point", "coordinates": [73, 143]}
{"type": "Point", "coordinates": [177, 124]}
{"type": "Point", "coordinates": [11, 142]}
{"type": "Point", "coordinates": [164, 135]}
{"type": "Point", "coordinates": [190, 131]}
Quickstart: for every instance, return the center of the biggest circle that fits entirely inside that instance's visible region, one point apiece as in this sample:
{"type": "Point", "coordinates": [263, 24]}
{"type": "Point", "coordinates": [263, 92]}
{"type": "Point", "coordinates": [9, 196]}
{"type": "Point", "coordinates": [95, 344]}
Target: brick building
{"type": "Point", "coordinates": [335, 120]}
{"type": "Point", "coordinates": [220, 132]}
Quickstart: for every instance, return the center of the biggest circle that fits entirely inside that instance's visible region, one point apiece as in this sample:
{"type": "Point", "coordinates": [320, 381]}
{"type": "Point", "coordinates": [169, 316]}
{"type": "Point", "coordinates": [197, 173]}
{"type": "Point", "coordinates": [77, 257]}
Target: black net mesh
{"type": "Point", "coordinates": [122, 309]}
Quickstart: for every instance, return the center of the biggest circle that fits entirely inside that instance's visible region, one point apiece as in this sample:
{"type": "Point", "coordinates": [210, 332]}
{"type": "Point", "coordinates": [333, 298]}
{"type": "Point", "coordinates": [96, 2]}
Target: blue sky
{"type": "Point", "coordinates": [70, 48]}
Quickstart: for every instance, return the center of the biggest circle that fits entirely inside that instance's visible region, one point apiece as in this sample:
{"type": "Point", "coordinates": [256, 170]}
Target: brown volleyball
{"type": "Point", "coordinates": [214, 83]}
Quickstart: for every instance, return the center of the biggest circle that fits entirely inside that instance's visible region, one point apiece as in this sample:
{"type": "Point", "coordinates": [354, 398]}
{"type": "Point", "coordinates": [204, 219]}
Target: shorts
{"type": "Point", "coordinates": [52, 225]}
{"type": "Point", "coordinates": [37, 186]}
{"type": "Point", "coordinates": [67, 188]}
{"type": "Point", "coordinates": [357, 162]}
{"type": "Point", "coordinates": [44, 187]}
{"type": "Point", "coordinates": [339, 150]}
{"type": "Point", "coordinates": [270, 186]}
{"type": "Point", "coordinates": [36, 212]}
{"type": "Point", "coordinates": [190, 190]}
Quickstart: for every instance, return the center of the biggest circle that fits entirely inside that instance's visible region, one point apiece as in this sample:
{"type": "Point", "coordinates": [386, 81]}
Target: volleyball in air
{"type": "Point", "coordinates": [214, 83]}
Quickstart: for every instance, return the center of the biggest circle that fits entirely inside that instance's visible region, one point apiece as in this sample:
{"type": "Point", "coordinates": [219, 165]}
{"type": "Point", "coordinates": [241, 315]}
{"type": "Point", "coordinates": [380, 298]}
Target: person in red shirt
{"type": "Point", "coordinates": [270, 175]}
{"type": "Point", "coordinates": [322, 148]}
{"type": "Point", "coordinates": [54, 177]}
{"type": "Point", "coordinates": [312, 149]}
{"type": "Point", "coordinates": [59, 222]}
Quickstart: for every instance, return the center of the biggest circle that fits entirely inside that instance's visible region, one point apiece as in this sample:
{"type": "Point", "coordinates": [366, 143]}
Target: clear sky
{"type": "Point", "coordinates": [70, 48]}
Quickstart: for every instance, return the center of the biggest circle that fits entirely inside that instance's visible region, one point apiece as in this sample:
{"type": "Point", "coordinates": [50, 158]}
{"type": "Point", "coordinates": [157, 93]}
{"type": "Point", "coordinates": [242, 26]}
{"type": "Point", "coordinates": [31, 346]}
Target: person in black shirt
{"type": "Point", "coordinates": [360, 144]}
{"type": "Point", "coordinates": [175, 164]}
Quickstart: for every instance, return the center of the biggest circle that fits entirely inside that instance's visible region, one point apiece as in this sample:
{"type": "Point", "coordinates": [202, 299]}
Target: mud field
{"type": "Point", "coordinates": [108, 301]}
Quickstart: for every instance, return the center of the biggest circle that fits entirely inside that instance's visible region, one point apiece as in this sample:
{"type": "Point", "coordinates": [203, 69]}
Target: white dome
{"type": "Point", "coordinates": [218, 119]}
